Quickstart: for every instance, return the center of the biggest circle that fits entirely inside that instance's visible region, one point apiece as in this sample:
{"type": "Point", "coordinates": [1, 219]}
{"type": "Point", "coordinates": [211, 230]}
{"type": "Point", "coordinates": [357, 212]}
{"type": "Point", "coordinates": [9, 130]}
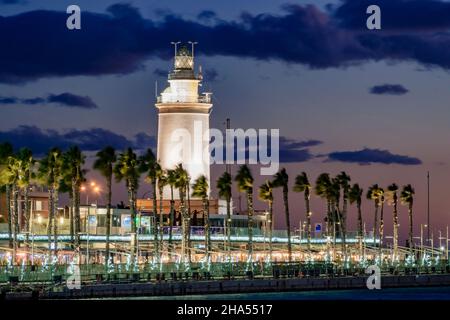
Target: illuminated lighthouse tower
{"type": "Point", "coordinates": [183, 119]}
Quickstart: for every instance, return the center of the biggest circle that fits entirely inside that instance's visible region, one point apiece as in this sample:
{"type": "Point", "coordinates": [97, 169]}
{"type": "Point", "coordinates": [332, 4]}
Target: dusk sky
{"type": "Point", "coordinates": [373, 103]}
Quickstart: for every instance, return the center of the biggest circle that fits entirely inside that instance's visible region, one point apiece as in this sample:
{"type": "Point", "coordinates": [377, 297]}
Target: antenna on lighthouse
{"type": "Point", "coordinates": [192, 43]}
{"type": "Point", "coordinates": [175, 44]}
{"type": "Point", "coordinates": [156, 89]}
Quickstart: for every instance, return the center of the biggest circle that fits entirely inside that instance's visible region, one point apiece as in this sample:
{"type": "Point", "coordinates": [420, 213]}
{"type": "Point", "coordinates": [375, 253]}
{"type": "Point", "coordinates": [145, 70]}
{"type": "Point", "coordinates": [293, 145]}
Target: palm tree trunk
{"type": "Point", "coordinates": [375, 224]}
{"type": "Point", "coordinates": [344, 227]}
{"type": "Point", "coordinates": [76, 214]}
{"type": "Point", "coordinates": [381, 229]}
{"type": "Point", "coordinates": [71, 218]}
{"type": "Point", "coordinates": [207, 228]}
{"type": "Point", "coordinates": [172, 213]}
{"type": "Point", "coordinates": [26, 209]}
{"type": "Point", "coordinates": [288, 220]}
{"type": "Point", "coordinates": [308, 218]}
{"type": "Point", "coordinates": [10, 218]}
{"type": "Point", "coordinates": [108, 219]}
{"type": "Point", "coordinates": [155, 224]}
{"type": "Point", "coordinates": [15, 221]}
{"type": "Point", "coordinates": [395, 218]}
{"type": "Point", "coordinates": [132, 203]}
{"type": "Point", "coordinates": [410, 214]}
{"type": "Point", "coordinates": [360, 229]}
{"type": "Point", "coordinates": [184, 226]}
{"type": "Point", "coordinates": [228, 227]}
{"type": "Point", "coordinates": [55, 224]}
{"type": "Point", "coordinates": [161, 220]}
{"type": "Point", "coordinates": [270, 229]}
{"type": "Point", "coordinates": [250, 226]}
{"type": "Point", "coordinates": [50, 218]}
{"type": "Point", "coordinates": [189, 221]}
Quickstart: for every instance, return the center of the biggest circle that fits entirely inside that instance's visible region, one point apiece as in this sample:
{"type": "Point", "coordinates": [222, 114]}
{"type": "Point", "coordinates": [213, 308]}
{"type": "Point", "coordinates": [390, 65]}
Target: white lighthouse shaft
{"type": "Point", "coordinates": [183, 122]}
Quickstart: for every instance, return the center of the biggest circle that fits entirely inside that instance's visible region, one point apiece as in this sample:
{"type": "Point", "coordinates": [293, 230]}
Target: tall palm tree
{"type": "Point", "coordinates": [104, 163]}
{"type": "Point", "coordinates": [171, 181]}
{"type": "Point", "coordinates": [152, 167]}
{"type": "Point", "coordinates": [302, 185]}
{"type": "Point", "coordinates": [73, 161]}
{"type": "Point", "coordinates": [407, 198]}
{"type": "Point", "coordinates": [6, 150]}
{"type": "Point", "coordinates": [224, 186]}
{"type": "Point", "coordinates": [393, 188]}
{"type": "Point", "coordinates": [281, 179]}
{"type": "Point", "coordinates": [244, 180]}
{"type": "Point", "coordinates": [323, 184]}
{"type": "Point", "coordinates": [266, 195]}
{"type": "Point", "coordinates": [181, 183]}
{"type": "Point", "coordinates": [11, 176]}
{"type": "Point", "coordinates": [162, 182]}
{"type": "Point", "coordinates": [50, 173]}
{"type": "Point", "coordinates": [25, 156]}
{"type": "Point", "coordinates": [355, 196]}
{"type": "Point", "coordinates": [128, 168]}
{"type": "Point", "coordinates": [373, 193]}
{"type": "Point", "coordinates": [344, 182]}
{"type": "Point", "coordinates": [200, 189]}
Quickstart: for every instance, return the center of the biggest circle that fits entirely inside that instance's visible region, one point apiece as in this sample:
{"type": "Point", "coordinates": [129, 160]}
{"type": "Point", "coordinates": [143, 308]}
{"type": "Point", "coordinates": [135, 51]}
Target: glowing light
{"type": "Point", "coordinates": [39, 219]}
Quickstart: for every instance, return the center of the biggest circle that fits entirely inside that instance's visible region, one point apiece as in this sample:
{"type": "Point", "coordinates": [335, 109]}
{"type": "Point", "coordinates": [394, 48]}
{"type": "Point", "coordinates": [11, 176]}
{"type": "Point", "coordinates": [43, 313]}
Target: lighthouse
{"type": "Point", "coordinates": [183, 119]}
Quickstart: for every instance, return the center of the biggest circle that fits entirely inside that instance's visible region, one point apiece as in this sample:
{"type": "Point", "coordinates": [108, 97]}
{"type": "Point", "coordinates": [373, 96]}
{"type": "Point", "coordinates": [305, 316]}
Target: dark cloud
{"type": "Point", "coordinates": [392, 89]}
{"type": "Point", "coordinates": [206, 15]}
{"type": "Point", "coordinates": [32, 101]}
{"type": "Point", "coordinates": [64, 99]}
{"type": "Point", "coordinates": [72, 100]}
{"type": "Point", "coordinates": [368, 156]}
{"type": "Point", "coordinates": [40, 140]}
{"type": "Point", "coordinates": [8, 100]}
{"type": "Point", "coordinates": [292, 150]}
{"type": "Point", "coordinates": [12, 2]}
{"type": "Point", "coordinates": [120, 40]}
{"type": "Point", "coordinates": [396, 15]}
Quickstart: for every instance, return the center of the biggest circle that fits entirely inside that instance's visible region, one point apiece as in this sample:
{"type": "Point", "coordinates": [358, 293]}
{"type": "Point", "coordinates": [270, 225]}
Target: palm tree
{"type": "Point", "coordinates": [302, 185]}
{"type": "Point", "coordinates": [374, 194]}
{"type": "Point", "coordinates": [162, 182]}
{"type": "Point", "coordinates": [171, 180]}
{"type": "Point", "coordinates": [224, 186]}
{"type": "Point", "coordinates": [11, 176]}
{"type": "Point", "coordinates": [266, 195]}
{"type": "Point", "coordinates": [128, 168]}
{"type": "Point", "coordinates": [27, 162]}
{"type": "Point", "coordinates": [344, 182]}
{"type": "Point", "coordinates": [323, 184]}
{"type": "Point", "coordinates": [355, 196]}
{"type": "Point", "coordinates": [244, 180]}
{"type": "Point", "coordinates": [334, 194]}
{"type": "Point", "coordinates": [181, 183]}
{"type": "Point", "coordinates": [104, 163]}
{"type": "Point", "coordinates": [153, 171]}
{"type": "Point", "coordinates": [393, 188]}
{"type": "Point", "coordinates": [73, 161]}
{"type": "Point", "coordinates": [200, 189]}
{"type": "Point", "coordinates": [281, 179]}
{"type": "Point", "coordinates": [407, 198]}
{"type": "Point", "coordinates": [50, 173]}
{"type": "Point", "coordinates": [6, 150]}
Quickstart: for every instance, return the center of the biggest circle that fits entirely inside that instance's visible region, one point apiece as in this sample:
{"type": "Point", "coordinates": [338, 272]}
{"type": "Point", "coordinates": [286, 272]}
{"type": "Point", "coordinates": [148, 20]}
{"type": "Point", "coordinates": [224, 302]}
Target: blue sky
{"type": "Point", "coordinates": [308, 68]}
